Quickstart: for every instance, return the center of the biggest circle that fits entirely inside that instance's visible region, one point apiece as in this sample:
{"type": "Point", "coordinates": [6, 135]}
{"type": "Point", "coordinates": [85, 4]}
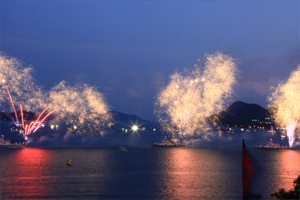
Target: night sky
{"type": "Point", "coordinates": [128, 49]}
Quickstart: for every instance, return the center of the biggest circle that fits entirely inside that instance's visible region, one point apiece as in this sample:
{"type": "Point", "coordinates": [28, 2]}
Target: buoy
{"type": "Point", "coordinates": [69, 162]}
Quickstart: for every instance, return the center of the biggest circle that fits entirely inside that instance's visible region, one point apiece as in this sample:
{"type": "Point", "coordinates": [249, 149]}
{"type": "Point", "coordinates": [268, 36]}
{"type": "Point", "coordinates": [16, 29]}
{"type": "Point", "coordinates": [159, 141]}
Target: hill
{"type": "Point", "coordinates": [118, 116]}
{"type": "Point", "coordinates": [240, 113]}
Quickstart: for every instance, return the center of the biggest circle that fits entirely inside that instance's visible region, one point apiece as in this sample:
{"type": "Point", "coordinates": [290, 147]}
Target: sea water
{"type": "Point", "coordinates": [126, 172]}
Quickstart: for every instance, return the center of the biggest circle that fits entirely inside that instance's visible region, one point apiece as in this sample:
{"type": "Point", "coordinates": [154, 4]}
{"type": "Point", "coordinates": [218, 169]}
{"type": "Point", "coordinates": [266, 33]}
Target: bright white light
{"type": "Point", "coordinates": [52, 126]}
{"type": "Point", "coordinates": [134, 128]}
{"type": "Point", "coordinates": [75, 127]}
{"type": "Point", "coordinates": [3, 81]}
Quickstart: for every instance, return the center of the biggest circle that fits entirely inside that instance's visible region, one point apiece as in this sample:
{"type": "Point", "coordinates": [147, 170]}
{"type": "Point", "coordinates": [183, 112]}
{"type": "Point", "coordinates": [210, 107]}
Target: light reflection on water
{"type": "Point", "coordinates": [24, 170]}
{"type": "Point", "coordinates": [193, 173]}
{"type": "Point", "coordinates": [277, 169]}
{"type": "Point", "coordinates": [140, 173]}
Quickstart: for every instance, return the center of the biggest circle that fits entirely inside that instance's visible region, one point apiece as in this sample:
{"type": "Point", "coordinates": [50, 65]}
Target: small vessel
{"type": "Point", "coordinates": [223, 128]}
{"type": "Point", "coordinates": [14, 130]}
{"type": "Point", "coordinates": [272, 145]}
{"type": "Point", "coordinates": [167, 144]}
{"type": "Point", "coordinates": [10, 144]}
{"type": "Point", "coordinates": [283, 137]}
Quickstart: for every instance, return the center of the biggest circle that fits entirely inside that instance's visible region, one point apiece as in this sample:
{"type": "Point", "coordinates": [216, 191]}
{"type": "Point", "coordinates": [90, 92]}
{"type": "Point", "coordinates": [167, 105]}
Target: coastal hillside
{"type": "Point", "coordinates": [118, 116]}
{"type": "Point", "coordinates": [240, 113]}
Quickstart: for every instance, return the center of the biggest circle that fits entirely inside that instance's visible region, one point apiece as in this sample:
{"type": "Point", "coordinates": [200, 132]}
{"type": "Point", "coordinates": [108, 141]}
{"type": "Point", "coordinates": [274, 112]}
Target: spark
{"type": "Point", "coordinates": [284, 104]}
{"type": "Point", "coordinates": [185, 104]}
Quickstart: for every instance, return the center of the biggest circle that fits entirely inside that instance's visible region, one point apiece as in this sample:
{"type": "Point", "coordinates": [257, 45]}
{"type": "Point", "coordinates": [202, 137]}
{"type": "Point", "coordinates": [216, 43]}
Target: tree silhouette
{"type": "Point", "coordinates": [291, 194]}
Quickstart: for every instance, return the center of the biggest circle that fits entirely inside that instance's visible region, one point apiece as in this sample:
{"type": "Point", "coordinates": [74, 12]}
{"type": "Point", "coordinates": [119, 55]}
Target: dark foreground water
{"type": "Point", "coordinates": [141, 173]}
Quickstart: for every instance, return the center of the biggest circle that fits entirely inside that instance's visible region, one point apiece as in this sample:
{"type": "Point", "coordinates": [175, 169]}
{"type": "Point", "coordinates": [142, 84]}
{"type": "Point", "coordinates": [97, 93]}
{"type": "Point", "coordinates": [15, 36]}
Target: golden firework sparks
{"type": "Point", "coordinates": [285, 105]}
{"type": "Point", "coordinates": [81, 106]}
{"type": "Point", "coordinates": [21, 85]}
{"type": "Point", "coordinates": [184, 105]}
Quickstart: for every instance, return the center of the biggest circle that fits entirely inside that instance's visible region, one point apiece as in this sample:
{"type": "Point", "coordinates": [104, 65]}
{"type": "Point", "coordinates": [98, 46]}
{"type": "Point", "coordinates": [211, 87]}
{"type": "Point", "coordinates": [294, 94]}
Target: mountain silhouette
{"type": "Point", "coordinates": [241, 113]}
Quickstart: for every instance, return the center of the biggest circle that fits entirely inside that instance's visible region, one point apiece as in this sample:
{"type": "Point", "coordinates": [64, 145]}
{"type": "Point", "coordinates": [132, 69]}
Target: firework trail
{"type": "Point", "coordinates": [32, 126]}
{"type": "Point", "coordinates": [285, 105]}
{"type": "Point", "coordinates": [82, 108]}
{"type": "Point", "coordinates": [184, 105]}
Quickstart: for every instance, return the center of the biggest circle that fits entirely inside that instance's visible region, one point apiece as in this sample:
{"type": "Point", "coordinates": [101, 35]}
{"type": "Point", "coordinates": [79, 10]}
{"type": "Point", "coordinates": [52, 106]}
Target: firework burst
{"type": "Point", "coordinates": [82, 108]}
{"type": "Point", "coordinates": [191, 97]}
{"type": "Point", "coordinates": [22, 87]}
{"type": "Point", "coordinates": [285, 105]}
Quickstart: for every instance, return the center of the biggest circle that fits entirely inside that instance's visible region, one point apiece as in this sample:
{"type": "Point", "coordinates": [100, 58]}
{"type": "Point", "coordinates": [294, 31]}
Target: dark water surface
{"type": "Point", "coordinates": [140, 173]}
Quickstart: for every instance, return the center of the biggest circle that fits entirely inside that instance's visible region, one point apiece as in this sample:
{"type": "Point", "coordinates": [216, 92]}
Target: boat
{"type": "Point", "coordinates": [275, 146]}
{"type": "Point", "coordinates": [14, 130]}
{"type": "Point", "coordinates": [222, 128]}
{"type": "Point", "coordinates": [167, 144]}
{"type": "Point", "coordinates": [10, 144]}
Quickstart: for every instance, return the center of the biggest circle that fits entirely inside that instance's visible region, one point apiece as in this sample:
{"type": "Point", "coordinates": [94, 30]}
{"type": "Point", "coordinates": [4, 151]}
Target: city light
{"type": "Point", "coordinates": [134, 128]}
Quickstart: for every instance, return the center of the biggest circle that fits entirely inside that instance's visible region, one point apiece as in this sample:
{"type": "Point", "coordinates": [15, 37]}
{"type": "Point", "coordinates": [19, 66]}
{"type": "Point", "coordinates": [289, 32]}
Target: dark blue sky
{"type": "Point", "coordinates": [128, 49]}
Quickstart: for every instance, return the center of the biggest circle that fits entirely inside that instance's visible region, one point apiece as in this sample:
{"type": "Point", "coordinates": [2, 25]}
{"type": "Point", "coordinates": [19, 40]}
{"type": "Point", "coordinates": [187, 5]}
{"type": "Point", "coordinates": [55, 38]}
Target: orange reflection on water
{"type": "Point", "coordinates": [196, 173]}
{"type": "Point", "coordinates": [289, 168]}
{"type": "Point", "coordinates": [189, 174]}
{"type": "Point", "coordinates": [29, 172]}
